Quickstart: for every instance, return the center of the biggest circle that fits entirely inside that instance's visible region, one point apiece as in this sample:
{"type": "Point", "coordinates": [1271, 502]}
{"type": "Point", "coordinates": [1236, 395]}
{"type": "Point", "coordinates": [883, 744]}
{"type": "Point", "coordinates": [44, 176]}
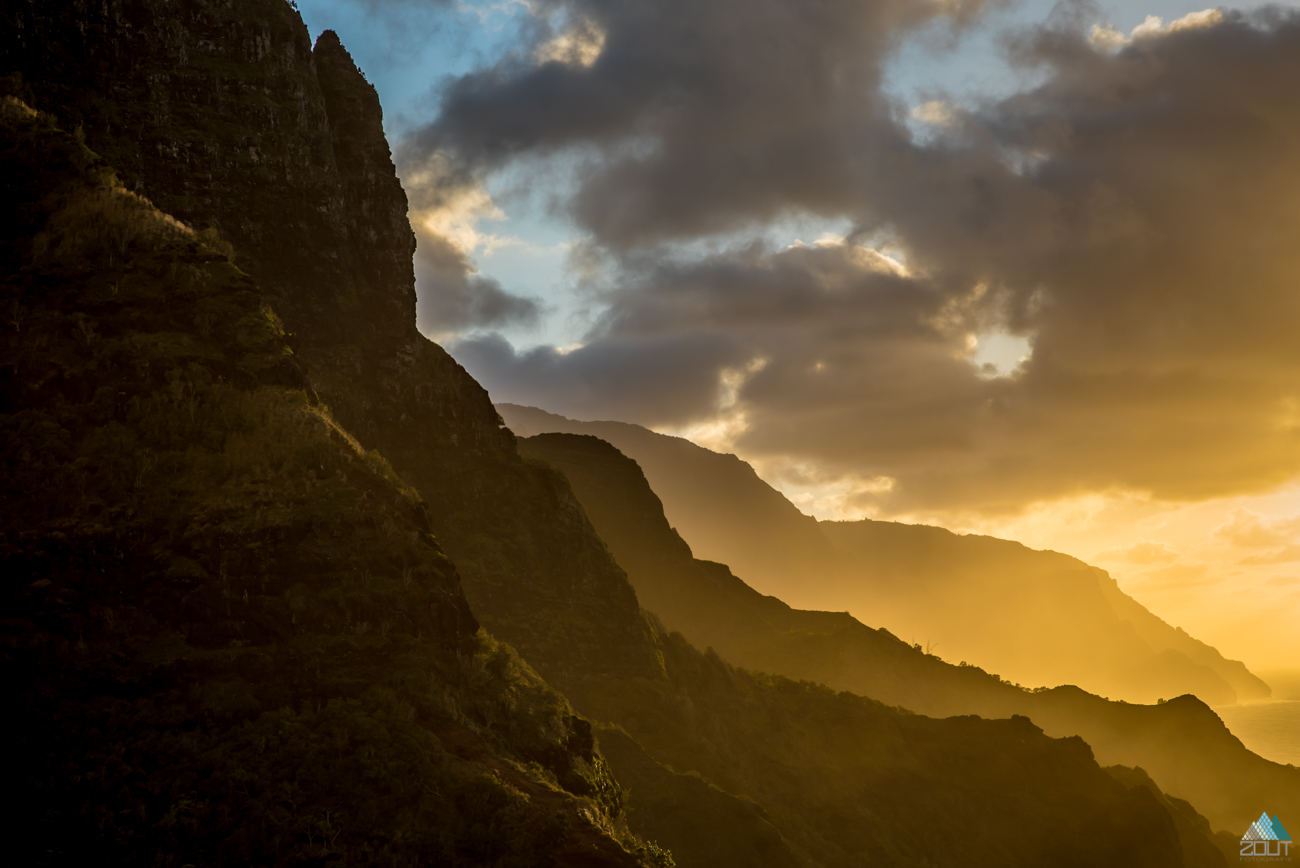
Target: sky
{"type": "Point", "coordinates": [1018, 268]}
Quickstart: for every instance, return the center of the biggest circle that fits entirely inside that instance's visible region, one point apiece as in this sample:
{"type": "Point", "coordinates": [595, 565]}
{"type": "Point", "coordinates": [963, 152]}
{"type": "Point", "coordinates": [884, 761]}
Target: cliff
{"type": "Point", "coordinates": [228, 635]}
{"type": "Point", "coordinates": [225, 117]}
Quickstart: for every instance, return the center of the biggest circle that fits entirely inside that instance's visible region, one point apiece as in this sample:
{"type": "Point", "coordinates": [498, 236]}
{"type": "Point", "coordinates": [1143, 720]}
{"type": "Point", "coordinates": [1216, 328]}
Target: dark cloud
{"type": "Point", "coordinates": [1136, 215]}
{"type": "Point", "coordinates": [651, 380]}
{"type": "Point", "coordinates": [830, 351]}
{"type": "Point", "coordinates": [694, 117]}
{"type": "Point", "coordinates": [453, 298]}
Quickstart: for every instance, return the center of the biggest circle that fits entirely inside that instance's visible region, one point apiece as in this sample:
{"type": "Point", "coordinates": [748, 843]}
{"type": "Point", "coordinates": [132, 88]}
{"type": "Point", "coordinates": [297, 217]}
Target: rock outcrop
{"type": "Point", "coordinates": [228, 636]}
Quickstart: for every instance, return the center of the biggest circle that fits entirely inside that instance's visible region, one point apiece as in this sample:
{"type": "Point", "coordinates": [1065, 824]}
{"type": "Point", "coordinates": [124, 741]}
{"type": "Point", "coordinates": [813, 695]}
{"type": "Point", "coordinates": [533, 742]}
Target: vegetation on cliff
{"type": "Point", "coordinates": [229, 636]}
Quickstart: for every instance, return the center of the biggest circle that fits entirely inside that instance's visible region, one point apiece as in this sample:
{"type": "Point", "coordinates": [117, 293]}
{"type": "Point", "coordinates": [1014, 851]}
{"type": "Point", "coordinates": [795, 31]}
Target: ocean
{"type": "Point", "coordinates": [1270, 729]}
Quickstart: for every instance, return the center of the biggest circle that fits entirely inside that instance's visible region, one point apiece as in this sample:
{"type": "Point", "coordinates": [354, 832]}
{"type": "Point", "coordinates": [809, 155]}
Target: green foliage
{"type": "Point", "coordinates": [99, 226]}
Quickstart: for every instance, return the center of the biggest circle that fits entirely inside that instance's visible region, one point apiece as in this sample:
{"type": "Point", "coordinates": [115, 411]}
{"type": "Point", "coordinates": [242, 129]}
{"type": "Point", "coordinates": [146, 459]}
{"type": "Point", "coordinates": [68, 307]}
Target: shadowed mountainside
{"type": "Point", "coordinates": [1045, 618]}
{"type": "Point", "coordinates": [302, 186]}
{"type": "Point", "coordinates": [1181, 743]}
{"type": "Point", "coordinates": [229, 637]}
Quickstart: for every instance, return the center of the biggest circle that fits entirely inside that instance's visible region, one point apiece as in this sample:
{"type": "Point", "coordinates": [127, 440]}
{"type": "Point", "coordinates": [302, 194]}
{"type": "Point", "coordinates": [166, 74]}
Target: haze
{"type": "Point", "coordinates": [1016, 269]}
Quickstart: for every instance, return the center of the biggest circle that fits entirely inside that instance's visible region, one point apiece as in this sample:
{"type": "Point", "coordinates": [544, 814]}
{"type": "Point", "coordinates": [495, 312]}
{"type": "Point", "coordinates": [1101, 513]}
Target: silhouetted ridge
{"type": "Point", "coordinates": [1058, 619]}
{"type": "Point", "coordinates": [1182, 743]}
{"type": "Point", "coordinates": [1045, 618]}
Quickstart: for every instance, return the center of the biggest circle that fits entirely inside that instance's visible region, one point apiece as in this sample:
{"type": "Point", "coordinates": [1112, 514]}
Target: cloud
{"type": "Point", "coordinates": [1133, 216]}
{"type": "Point", "coordinates": [1247, 528]}
{"type": "Point", "coordinates": [936, 111]}
{"type": "Point", "coordinates": [1140, 552]}
{"type": "Point", "coordinates": [445, 213]}
{"type": "Point", "coordinates": [1175, 577]}
{"type": "Point", "coordinates": [665, 378]}
{"type": "Point", "coordinates": [1276, 539]}
{"type": "Point", "coordinates": [1280, 555]}
{"type": "Point", "coordinates": [580, 45]}
{"type": "Point", "coordinates": [693, 117]}
{"type": "Point", "coordinates": [453, 298]}
{"type": "Point", "coordinates": [1108, 38]}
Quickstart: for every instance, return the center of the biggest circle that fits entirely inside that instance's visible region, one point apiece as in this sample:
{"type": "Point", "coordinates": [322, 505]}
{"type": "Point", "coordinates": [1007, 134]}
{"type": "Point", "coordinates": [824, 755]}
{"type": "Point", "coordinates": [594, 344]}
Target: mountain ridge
{"type": "Point", "coordinates": [348, 591]}
{"type": "Point", "coordinates": [1181, 743]}
{"type": "Point", "coordinates": [881, 570]}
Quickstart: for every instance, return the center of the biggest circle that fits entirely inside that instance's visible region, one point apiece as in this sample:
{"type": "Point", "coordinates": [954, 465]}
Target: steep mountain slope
{"type": "Point", "coordinates": [228, 636]}
{"type": "Point", "coordinates": [701, 824]}
{"type": "Point", "coordinates": [1041, 617]}
{"type": "Point", "coordinates": [1042, 599]}
{"type": "Point", "coordinates": [718, 503]}
{"type": "Point", "coordinates": [1181, 743]}
{"type": "Point", "coordinates": [1162, 637]}
{"type": "Point", "coordinates": [304, 188]}
{"type": "Point", "coordinates": [1045, 618]}
{"type": "Point", "coordinates": [1199, 844]}
{"type": "Point", "coordinates": [849, 780]}
{"type": "Point", "coordinates": [839, 778]}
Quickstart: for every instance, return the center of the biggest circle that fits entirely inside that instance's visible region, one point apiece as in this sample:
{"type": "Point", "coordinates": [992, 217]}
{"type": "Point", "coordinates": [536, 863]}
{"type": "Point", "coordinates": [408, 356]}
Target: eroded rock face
{"type": "Point", "coordinates": [224, 115]}
{"type": "Point", "coordinates": [226, 632]}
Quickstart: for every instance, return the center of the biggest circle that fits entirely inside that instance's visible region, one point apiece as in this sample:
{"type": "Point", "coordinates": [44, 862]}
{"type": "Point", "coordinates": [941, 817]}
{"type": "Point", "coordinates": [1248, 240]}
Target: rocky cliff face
{"type": "Point", "coordinates": [228, 636]}
{"type": "Point", "coordinates": [223, 114]}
